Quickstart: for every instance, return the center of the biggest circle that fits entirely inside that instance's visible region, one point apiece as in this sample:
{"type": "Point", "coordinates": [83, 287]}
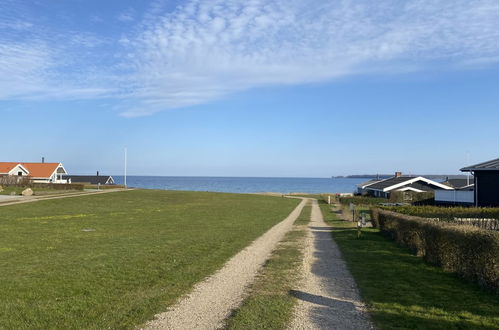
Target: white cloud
{"type": "Point", "coordinates": [205, 50]}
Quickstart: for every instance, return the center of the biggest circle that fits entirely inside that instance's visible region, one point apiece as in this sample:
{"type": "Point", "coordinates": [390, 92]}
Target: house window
{"type": "Point", "coordinates": [20, 173]}
{"type": "Point", "coordinates": [407, 196]}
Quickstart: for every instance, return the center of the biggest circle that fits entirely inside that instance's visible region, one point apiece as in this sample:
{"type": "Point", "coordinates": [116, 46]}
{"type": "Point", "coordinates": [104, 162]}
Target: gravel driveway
{"type": "Point", "coordinates": [213, 299]}
{"type": "Point", "coordinates": [328, 297]}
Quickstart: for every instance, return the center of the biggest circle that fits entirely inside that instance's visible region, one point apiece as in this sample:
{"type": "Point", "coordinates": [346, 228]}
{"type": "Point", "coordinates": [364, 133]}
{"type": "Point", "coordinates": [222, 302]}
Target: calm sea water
{"type": "Point", "coordinates": [243, 185]}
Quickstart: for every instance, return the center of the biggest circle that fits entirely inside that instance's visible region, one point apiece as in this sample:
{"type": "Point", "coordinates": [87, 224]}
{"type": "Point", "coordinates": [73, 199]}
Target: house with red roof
{"type": "Point", "coordinates": [36, 172]}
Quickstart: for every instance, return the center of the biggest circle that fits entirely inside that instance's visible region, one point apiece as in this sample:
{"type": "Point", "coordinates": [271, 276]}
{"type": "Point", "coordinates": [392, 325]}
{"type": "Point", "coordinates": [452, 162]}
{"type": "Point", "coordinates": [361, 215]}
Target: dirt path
{"type": "Point", "coordinates": [328, 296]}
{"type": "Point", "coordinates": [213, 299]}
{"type": "Point", "coordinates": [30, 199]}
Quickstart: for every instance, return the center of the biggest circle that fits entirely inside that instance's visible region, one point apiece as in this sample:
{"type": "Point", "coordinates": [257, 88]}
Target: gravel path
{"type": "Point", "coordinates": [213, 299]}
{"type": "Point", "coordinates": [328, 297]}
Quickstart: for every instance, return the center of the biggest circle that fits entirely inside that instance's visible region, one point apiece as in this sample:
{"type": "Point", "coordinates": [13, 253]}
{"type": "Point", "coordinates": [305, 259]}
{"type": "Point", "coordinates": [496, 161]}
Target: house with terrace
{"type": "Point", "coordinates": [399, 182]}
{"type": "Point", "coordinates": [35, 172]}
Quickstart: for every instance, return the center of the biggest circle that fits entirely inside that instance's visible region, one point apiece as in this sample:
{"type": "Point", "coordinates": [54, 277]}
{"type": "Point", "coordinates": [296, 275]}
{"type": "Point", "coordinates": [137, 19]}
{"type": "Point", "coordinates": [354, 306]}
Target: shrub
{"type": "Point", "coordinates": [361, 200]}
{"type": "Point", "coordinates": [468, 251]}
{"type": "Point", "coordinates": [412, 197]}
{"type": "Point", "coordinates": [486, 218]}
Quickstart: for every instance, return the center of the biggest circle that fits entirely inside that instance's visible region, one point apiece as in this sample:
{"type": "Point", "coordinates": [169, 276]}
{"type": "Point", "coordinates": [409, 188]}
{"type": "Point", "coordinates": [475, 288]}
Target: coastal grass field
{"type": "Point", "coordinates": [270, 302]}
{"type": "Point", "coordinates": [115, 260]}
{"type": "Point", "coordinates": [402, 291]}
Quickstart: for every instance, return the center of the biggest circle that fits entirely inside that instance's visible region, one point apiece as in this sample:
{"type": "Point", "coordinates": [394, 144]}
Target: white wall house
{"type": "Point", "coordinates": [36, 172]}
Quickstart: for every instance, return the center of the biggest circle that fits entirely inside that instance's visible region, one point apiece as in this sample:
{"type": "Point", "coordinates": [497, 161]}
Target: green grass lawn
{"type": "Point", "coordinates": [270, 303]}
{"type": "Point", "coordinates": [114, 260]}
{"type": "Point", "coordinates": [403, 292]}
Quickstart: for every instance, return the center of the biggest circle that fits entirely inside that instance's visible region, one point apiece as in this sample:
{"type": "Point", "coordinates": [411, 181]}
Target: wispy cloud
{"type": "Point", "coordinates": [41, 63]}
{"type": "Point", "coordinates": [205, 50]}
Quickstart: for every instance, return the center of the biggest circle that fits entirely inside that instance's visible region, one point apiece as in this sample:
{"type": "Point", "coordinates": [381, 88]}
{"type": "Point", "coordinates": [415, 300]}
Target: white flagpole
{"type": "Point", "coordinates": [125, 167]}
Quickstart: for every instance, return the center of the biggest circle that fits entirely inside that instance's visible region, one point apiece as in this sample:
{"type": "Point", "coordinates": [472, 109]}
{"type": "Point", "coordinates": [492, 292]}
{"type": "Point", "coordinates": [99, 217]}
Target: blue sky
{"type": "Point", "coordinates": [250, 88]}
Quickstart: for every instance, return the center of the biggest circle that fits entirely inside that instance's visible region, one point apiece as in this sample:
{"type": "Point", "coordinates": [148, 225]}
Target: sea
{"type": "Point", "coordinates": [244, 184]}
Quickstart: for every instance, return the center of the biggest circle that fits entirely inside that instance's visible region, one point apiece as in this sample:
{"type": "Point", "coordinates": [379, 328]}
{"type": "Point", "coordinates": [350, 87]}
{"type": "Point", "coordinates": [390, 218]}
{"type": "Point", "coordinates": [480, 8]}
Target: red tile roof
{"type": "Point", "coordinates": [40, 170]}
{"type": "Point", "coordinates": [36, 170]}
{"type": "Point", "coordinates": [6, 167]}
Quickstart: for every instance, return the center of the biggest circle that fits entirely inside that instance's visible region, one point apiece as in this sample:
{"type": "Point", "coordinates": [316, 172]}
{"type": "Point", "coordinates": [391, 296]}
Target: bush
{"type": "Point", "coordinates": [412, 197]}
{"type": "Point", "coordinates": [486, 218]}
{"type": "Point", "coordinates": [468, 251]}
{"type": "Point", "coordinates": [55, 186]}
{"type": "Point", "coordinates": [361, 200]}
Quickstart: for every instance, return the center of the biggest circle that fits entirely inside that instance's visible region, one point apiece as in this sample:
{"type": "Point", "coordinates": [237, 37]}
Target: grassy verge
{"type": "Point", "coordinates": [114, 260]}
{"type": "Point", "coordinates": [270, 305]}
{"type": "Point", "coordinates": [402, 292]}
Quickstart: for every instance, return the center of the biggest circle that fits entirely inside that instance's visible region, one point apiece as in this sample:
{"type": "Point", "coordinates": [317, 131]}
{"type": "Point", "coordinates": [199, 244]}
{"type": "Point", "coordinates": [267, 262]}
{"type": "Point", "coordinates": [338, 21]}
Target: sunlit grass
{"type": "Point", "coordinates": [114, 260]}
{"type": "Point", "coordinates": [403, 292]}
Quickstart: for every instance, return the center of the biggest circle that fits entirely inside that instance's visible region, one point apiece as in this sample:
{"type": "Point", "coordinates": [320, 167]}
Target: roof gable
{"type": "Point", "coordinates": [491, 165]}
{"type": "Point", "coordinates": [6, 167]}
{"type": "Point", "coordinates": [401, 181]}
{"type": "Point", "coordinates": [41, 170]}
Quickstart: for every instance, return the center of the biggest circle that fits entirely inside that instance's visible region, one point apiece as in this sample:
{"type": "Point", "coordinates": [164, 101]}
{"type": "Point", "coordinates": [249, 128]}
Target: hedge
{"type": "Point", "coordinates": [361, 200]}
{"type": "Point", "coordinates": [471, 252]}
{"type": "Point", "coordinates": [486, 218]}
{"type": "Point", "coordinates": [55, 186]}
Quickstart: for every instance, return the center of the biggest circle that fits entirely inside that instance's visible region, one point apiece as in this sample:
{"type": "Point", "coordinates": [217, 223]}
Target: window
{"type": "Point", "coordinates": [20, 173]}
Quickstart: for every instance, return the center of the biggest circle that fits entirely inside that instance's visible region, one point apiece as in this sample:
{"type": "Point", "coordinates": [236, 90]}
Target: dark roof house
{"type": "Point", "coordinates": [383, 188]}
{"type": "Point", "coordinates": [361, 187]}
{"type": "Point", "coordinates": [459, 183]}
{"type": "Point", "coordinates": [486, 182]}
{"type": "Point", "coordinates": [91, 179]}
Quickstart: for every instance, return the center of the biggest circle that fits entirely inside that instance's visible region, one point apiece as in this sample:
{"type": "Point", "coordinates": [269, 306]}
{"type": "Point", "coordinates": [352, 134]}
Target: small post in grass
{"type": "Point", "coordinates": [360, 223]}
{"type": "Point", "coordinates": [352, 208]}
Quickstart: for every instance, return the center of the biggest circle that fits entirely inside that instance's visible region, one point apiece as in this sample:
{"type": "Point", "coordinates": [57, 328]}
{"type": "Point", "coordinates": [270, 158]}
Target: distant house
{"type": "Point", "coordinates": [36, 172]}
{"type": "Point", "coordinates": [13, 169]}
{"type": "Point", "coordinates": [399, 182]}
{"type": "Point", "coordinates": [362, 187]}
{"type": "Point", "coordinates": [486, 185]}
{"type": "Point", "coordinates": [459, 183]}
{"type": "Point", "coordinates": [91, 179]}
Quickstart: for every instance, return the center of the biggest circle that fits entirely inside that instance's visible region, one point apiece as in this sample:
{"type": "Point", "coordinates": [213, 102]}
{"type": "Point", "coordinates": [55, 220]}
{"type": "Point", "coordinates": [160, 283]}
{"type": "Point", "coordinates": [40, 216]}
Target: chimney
{"type": "Point", "coordinates": [97, 173]}
{"type": "Point", "coordinates": [398, 174]}
{"type": "Point", "coordinates": [43, 159]}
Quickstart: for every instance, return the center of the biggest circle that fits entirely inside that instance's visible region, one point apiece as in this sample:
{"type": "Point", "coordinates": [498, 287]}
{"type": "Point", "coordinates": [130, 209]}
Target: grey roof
{"type": "Point", "coordinates": [390, 182]}
{"type": "Point", "coordinates": [491, 165]}
{"type": "Point", "coordinates": [459, 183]}
{"type": "Point", "coordinates": [92, 179]}
{"type": "Point", "coordinates": [368, 183]}
{"type": "Point", "coordinates": [419, 184]}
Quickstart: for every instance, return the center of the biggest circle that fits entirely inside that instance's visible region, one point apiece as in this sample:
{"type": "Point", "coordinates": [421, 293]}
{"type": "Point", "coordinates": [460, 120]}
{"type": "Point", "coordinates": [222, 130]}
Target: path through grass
{"type": "Point", "coordinates": [114, 260]}
{"type": "Point", "coordinates": [270, 304]}
{"type": "Point", "coordinates": [403, 292]}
